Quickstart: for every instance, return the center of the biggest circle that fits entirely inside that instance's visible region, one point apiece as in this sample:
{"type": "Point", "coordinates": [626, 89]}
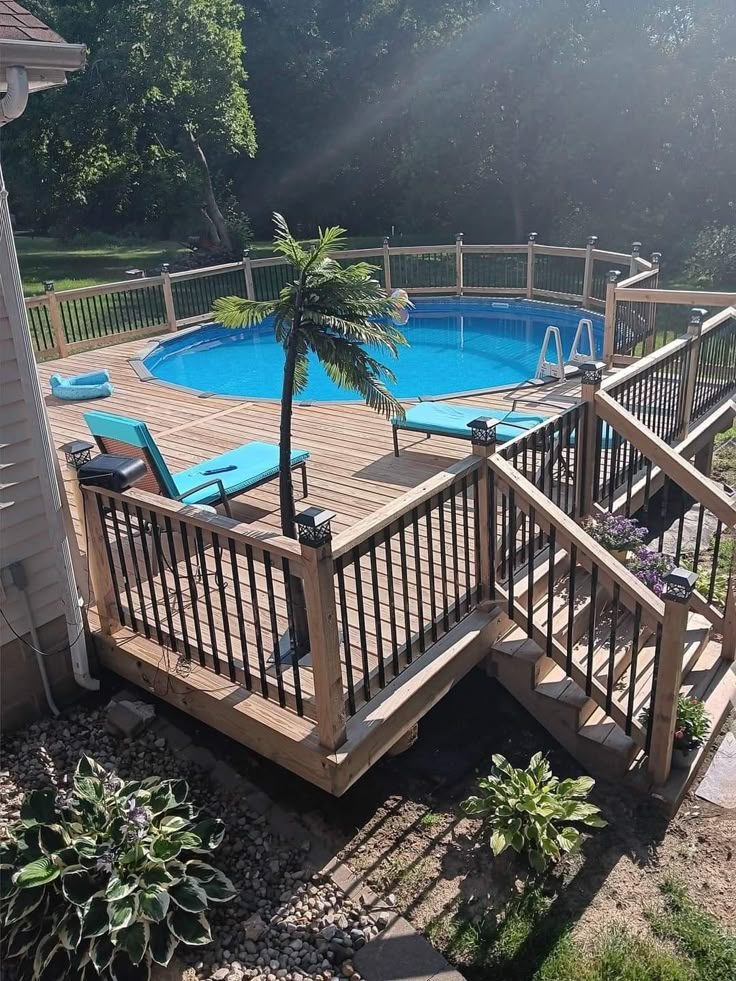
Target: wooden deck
{"type": "Point", "coordinates": [353, 472]}
{"type": "Point", "coordinates": [352, 469]}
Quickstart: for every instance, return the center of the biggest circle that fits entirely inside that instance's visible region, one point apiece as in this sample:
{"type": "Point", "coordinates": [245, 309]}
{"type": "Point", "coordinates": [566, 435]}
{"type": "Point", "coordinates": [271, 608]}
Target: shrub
{"type": "Point", "coordinates": [105, 879]}
{"type": "Point", "coordinates": [692, 724]}
{"type": "Point", "coordinates": [713, 259]}
{"type": "Point", "coordinates": [531, 810]}
{"type": "Point", "coordinates": [615, 532]}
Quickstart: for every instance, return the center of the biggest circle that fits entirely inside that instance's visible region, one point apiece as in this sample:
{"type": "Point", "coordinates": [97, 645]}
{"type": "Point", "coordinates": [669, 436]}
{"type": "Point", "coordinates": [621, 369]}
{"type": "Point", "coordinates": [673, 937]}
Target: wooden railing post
{"type": "Point", "coordinates": [635, 253]}
{"type": "Point", "coordinates": [250, 290]}
{"type": "Point", "coordinates": [57, 327]}
{"type": "Point", "coordinates": [694, 329]}
{"type": "Point", "coordinates": [663, 712]}
{"type": "Point", "coordinates": [591, 378]}
{"type": "Point", "coordinates": [652, 308]}
{"type": "Point", "coordinates": [609, 328]}
{"type": "Point", "coordinates": [459, 263]}
{"type": "Point", "coordinates": [483, 439]}
{"type": "Point", "coordinates": [728, 644]}
{"type": "Point", "coordinates": [530, 266]}
{"type": "Point", "coordinates": [588, 274]}
{"type": "Point", "coordinates": [315, 538]}
{"type": "Point", "coordinates": [100, 574]}
{"type": "Point", "coordinates": [386, 264]}
{"type": "Point", "coordinates": [168, 298]}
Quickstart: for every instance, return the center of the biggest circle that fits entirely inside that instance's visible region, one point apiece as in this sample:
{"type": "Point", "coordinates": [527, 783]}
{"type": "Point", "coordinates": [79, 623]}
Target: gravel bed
{"type": "Point", "coordinates": [286, 922]}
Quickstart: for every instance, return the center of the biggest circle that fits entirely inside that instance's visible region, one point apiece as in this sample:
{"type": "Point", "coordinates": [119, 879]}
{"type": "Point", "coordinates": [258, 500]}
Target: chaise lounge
{"type": "Point", "coordinates": [211, 482]}
{"type": "Point", "coordinates": [446, 419]}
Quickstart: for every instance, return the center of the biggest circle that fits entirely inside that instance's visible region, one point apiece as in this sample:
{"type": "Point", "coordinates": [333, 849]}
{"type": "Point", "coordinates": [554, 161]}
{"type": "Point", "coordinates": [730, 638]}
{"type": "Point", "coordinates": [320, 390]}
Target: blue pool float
{"type": "Point", "coordinates": [93, 385]}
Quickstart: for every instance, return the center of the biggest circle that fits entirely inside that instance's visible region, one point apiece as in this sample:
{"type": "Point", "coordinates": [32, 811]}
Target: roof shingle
{"type": "Point", "coordinates": [17, 24]}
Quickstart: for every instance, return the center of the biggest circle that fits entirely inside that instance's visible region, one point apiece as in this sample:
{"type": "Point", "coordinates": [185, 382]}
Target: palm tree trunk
{"type": "Point", "coordinates": [286, 491]}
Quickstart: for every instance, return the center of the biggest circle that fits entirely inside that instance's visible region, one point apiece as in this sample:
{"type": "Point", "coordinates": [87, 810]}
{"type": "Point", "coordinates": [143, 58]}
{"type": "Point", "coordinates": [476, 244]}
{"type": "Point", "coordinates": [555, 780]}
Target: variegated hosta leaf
{"type": "Point", "coordinates": [153, 904]}
{"type": "Point", "coordinates": [94, 918]}
{"type": "Point", "coordinates": [162, 943]}
{"type": "Point", "coordinates": [219, 889]}
{"type": "Point", "coordinates": [122, 912]}
{"type": "Point", "coordinates": [123, 969]}
{"type": "Point", "coordinates": [191, 928]}
{"type": "Point", "coordinates": [133, 940]}
{"type": "Point", "coordinates": [164, 849]}
{"type": "Point", "coordinates": [101, 951]}
{"type": "Point", "coordinates": [200, 871]}
{"type": "Point", "coordinates": [189, 895]}
{"type": "Point", "coordinates": [69, 930]}
{"type": "Point", "coordinates": [119, 889]}
{"type": "Point", "coordinates": [24, 903]}
{"type": "Point", "coordinates": [39, 807]}
{"type": "Point", "coordinates": [22, 938]}
{"type": "Point", "coordinates": [36, 873]}
{"type": "Point", "coordinates": [46, 949]}
{"type": "Point", "coordinates": [211, 831]}
{"type": "Point", "coordinates": [78, 886]}
{"type": "Point", "coordinates": [87, 767]}
{"type": "Point", "coordinates": [171, 823]}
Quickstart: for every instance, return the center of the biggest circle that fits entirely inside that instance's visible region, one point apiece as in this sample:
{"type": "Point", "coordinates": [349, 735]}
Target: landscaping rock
{"type": "Point", "coordinates": [128, 718]}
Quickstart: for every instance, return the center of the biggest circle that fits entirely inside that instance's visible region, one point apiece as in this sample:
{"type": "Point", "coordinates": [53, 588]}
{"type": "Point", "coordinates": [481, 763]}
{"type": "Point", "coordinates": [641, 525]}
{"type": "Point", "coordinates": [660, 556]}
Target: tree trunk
{"type": "Point", "coordinates": [286, 492]}
{"type": "Point", "coordinates": [213, 209]}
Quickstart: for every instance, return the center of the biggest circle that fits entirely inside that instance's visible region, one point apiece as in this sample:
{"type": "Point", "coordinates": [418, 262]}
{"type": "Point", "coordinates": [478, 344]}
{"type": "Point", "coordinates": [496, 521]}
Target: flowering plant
{"type": "Point", "coordinates": [106, 878]}
{"type": "Point", "coordinates": [651, 568]}
{"type": "Point", "coordinates": [615, 532]}
{"type": "Point", "coordinates": [691, 726]}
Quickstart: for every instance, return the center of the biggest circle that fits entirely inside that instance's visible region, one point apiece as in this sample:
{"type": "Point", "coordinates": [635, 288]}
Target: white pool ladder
{"type": "Point", "coordinates": [545, 367]}
{"type": "Point", "coordinates": [584, 331]}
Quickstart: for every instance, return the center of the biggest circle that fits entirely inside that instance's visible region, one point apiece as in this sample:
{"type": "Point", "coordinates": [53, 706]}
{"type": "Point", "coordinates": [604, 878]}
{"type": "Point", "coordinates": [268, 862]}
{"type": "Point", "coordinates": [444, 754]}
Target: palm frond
{"type": "Point", "coordinates": [350, 367]}
{"type": "Point", "coordinates": [301, 373]}
{"type": "Point", "coordinates": [285, 244]}
{"type": "Point", "coordinates": [234, 311]}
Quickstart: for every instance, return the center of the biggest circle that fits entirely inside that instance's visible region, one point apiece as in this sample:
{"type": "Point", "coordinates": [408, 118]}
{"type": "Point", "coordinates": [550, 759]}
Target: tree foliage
{"type": "Point", "coordinates": [497, 117]}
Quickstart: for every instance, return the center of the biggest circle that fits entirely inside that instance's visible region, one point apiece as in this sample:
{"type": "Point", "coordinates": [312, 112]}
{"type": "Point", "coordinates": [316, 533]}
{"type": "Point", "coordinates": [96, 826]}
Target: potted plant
{"type": "Point", "coordinates": [616, 533]}
{"type": "Point", "coordinates": [692, 726]}
{"type": "Point", "coordinates": [651, 568]}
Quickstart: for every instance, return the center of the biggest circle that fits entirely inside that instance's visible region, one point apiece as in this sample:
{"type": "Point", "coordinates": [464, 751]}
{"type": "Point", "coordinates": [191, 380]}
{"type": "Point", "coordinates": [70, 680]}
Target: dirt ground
{"type": "Point", "coordinates": [402, 828]}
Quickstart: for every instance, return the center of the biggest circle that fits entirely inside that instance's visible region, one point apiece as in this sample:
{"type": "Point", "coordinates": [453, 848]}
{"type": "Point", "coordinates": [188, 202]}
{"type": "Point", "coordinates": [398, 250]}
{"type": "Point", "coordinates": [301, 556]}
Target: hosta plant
{"type": "Point", "coordinates": [105, 878]}
{"type": "Point", "coordinates": [533, 811]}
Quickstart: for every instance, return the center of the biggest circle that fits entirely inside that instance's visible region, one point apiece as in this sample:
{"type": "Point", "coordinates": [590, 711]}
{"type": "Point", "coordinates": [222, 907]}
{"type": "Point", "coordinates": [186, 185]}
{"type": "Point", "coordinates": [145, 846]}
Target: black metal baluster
{"type": "Point", "coordinates": [418, 578]}
{"type": "Point", "coordinates": [162, 565]}
{"type": "Point", "coordinates": [530, 575]}
{"type": "Point", "coordinates": [240, 614]}
{"type": "Point", "coordinates": [136, 568]}
{"type": "Point", "coordinates": [571, 607]}
{"type": "Point", "coordinates": [455, 553]}
{"type": "Point", "coordinates": [466, 542]}
{"type": "Point", "coordinates": [391, 602]}
{"type": "Point", "coordinates": [275, 638]}
{"type": "Point", "coordinates": [430, 568]}
{"type": "Point", "coordinates": [405, 587]}
{"type": "Point", "coordinates": [443, 563]}
{"type": "Point", "coordinates": [361, 623]}
{"type": "Point", "coordinates": [108, 553]}
{"type": "Point", "coordinates": [550, 588]}
{"type": "Point", "coordinates": [177, 587]}
{"type": "Point", "coordinates": [512, 550]}
{"type": "Point", "coordinates": [633, 668]}
{"type": "Point", "coordinates": [655, 678]}
{"type": "Point", "coordinates": [123, 564]}
{"type": "Point", "coordinates": [347, 654]}
{"type": "Point", "coordinates": [220, 582]}
{"type": "Point", "coordinates": [294, 653]}
{"type": "Point", "coordinates": [377, 609]}
{"type": "Point", "coordinates": [253, 584]}
{"type": "Point", "coordinates": [591, 630]}
{"type": "Point", "coordinates": [616, 599]}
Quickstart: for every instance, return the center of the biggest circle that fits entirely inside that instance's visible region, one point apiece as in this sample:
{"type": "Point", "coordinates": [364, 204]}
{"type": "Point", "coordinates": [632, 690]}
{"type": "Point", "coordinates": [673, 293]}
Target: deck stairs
{"type": "Point", "coordinates": [591, 727]}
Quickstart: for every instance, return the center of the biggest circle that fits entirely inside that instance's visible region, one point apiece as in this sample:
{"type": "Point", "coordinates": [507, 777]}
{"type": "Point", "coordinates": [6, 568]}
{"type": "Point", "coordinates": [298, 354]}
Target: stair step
{"type": "Point", "coordinates": [601, 729]}
{"type": "Point", "coordinates": [517, 645]}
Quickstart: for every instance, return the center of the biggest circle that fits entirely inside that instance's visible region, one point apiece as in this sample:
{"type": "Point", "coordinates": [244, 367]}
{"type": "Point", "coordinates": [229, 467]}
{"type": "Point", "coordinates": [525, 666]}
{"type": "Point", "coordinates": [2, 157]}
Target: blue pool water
{"type": "Point", "coordinates": [455, 345]}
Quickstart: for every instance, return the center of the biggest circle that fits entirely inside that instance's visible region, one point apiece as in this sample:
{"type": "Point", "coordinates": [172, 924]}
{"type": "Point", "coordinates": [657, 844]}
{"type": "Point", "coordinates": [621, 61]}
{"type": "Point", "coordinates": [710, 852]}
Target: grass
{"type": "Point", "coordinates": [95, 259]}
{"type": "Point", "coordinates": [529, 942]}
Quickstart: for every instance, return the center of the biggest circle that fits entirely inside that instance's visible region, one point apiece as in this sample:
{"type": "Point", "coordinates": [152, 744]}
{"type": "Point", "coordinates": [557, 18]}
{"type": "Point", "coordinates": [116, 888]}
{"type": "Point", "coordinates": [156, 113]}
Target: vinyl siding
{"type": "Point", "coordinates": [25, 535]}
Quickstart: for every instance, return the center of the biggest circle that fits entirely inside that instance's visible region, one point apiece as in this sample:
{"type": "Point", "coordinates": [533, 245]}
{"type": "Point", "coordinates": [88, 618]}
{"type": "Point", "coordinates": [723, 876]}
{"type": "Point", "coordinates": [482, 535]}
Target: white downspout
{"type": "Point", "coordinates": [14, 102]}
{"type": "Point", "coordinates": [16, 312]}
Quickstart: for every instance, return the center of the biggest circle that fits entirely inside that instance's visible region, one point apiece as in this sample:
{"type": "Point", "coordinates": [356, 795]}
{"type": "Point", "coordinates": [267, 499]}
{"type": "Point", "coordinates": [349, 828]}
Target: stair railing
{"type": "Point", "coordinates": [630, 660]}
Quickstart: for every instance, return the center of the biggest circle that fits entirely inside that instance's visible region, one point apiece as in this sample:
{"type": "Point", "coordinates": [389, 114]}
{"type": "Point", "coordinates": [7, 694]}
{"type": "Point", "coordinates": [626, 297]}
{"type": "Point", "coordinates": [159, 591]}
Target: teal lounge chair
{"type": "Point", "coordinates": [211, 482]}
{"type": "Point", "coordinates": [446, 419]}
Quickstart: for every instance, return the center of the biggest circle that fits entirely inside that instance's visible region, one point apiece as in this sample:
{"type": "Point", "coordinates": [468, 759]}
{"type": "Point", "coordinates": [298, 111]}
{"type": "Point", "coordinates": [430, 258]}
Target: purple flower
{"type": "Point", "coordinates": [104, 862]}
{"type": "Point", "coordinates": [137, 816]}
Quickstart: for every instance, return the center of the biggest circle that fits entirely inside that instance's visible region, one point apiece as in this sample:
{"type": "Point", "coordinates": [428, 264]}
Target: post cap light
{"type": "Point", "coordinates": [679, 585]}
{"type": "Point", "coordinates": [613, 275]}
{"type": "Point", "coordinates": [314, 526]}
{"type": "Point", "coordinates": [592, 239]}
{"type": "Point", "coordinates": [164, 267]}
{"type": "Point", "coordinates": [49, 286]}
{"type": "Point", "coordinates": [459, 236]}
{"type": "Point", "coordinates": [386, 240]}
{"type": "Point", "coordinates": [656, 258]}
{"type": "Point", "coordinates": [483, 430]}
{"type": "Point", "coordinates": [591, 373]}
{"type": "Point", "coordinates": [77, 452]}
{"type": "Point", "coordinates": [533, 237]}
{"type": "Point", "coordinates": [636, 248]}
{"type": "Point", "coordinates": [698, 315]}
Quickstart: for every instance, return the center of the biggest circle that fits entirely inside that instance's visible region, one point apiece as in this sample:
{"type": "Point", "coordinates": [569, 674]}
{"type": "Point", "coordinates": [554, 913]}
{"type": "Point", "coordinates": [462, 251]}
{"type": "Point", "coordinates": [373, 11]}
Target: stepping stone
{"type": "Point", "coordinates": [719, 783]}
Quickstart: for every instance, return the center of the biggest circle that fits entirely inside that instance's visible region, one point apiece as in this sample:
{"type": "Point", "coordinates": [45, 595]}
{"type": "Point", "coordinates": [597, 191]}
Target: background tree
{"type": "Point", "coordinates": [329, 313]}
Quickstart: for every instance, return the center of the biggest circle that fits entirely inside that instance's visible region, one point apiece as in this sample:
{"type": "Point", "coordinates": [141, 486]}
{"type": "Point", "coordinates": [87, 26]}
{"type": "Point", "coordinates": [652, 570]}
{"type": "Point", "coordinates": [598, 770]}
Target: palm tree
{"type": "Point", "coordinates": [332, 312]}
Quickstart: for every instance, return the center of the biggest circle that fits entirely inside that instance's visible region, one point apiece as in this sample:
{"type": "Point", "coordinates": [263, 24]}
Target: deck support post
{"type": "Point", "coordinates": [459, 263]}
{"type": "Point", "coordinates": [386, 264]}
{"type": "Point", "coordinates": [591, 378]}
{"type": "Point", "coordinates": [168, 298]}
{"type": "Point", "coordinates": [483, 439]}
{"type": "Point", "coordinates": [530, 266]}
{"type": "Point", "coordinates": [609, 328]}
{"type": "Point", "coordinates": [315, 538]}
{"type": "Point", "coordinates": [100, 574]}
{"type": "Point", "coordinates": [694, 330]}
{"type": "Point", "coordinates": [57, 327]}
{"type": "Point", "coordinates": [250, 291]}
{"type": "Point", "coordinates": [680, 584]}
{"type": "Point", "coordinates": [588, 274]}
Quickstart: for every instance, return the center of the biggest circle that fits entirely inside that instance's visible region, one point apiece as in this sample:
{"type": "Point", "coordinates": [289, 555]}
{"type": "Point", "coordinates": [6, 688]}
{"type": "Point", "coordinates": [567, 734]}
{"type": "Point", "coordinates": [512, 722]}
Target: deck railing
{"type": "Point", "coordinates": [69, 321]}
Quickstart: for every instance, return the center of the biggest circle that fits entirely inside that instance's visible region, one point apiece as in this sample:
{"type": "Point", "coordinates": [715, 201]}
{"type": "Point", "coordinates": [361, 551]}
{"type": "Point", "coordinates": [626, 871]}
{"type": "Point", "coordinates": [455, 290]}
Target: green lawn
{"type": "Point", "coordinates": [74, 264]}
{"type": "Point", "coordinates": [104, 259]}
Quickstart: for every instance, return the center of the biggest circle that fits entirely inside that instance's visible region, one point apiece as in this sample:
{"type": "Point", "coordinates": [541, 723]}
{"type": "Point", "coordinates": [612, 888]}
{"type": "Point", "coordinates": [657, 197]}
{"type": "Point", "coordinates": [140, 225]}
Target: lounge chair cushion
{"type": "Point", "coordinates": [252, 463]}
{"type": "Point", "coordinates": [446, 419]}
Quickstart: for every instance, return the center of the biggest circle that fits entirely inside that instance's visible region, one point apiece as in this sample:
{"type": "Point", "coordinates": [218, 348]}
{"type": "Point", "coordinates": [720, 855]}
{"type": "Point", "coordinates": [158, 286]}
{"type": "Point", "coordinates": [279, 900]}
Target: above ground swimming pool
{"type": "Point", "coordinates": [455, 345]}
